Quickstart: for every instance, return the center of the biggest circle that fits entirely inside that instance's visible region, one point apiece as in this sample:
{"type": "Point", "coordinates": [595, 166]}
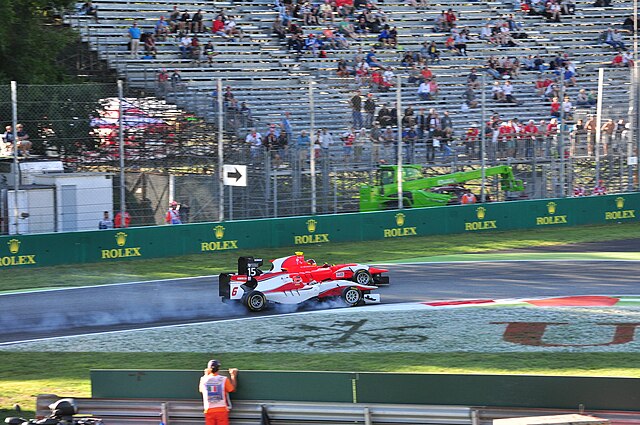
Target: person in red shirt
{"type": "Point", "coordinates": [215, 390]}
{"type": "Point", "coordinates": [468, 198]}
{"type": "Point", "coordinates": [599, 189]}
{"type": "Point", "coordinates": [555, 107]}
{"type": "Point", "coordinates": [471, 138]}
{"type": "Point", "coordinates": [617, 60]}
{"type": "Point", "coordinates": [505, 133]}
{"type": "Point", "coordinates": [530, 132]}
{"type": "Point", "coordinates": [117, 220]}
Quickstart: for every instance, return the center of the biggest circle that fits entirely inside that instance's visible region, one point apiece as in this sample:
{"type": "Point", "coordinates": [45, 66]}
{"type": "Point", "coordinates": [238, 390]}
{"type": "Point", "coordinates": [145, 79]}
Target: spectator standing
{"type": "Point", "coordinates": [118, 222]}
{"type": "Point", "coordinates": [24, 144]}
{"type": "Point", "coordinates": [285, 126]}
{"type": "Point", "coordinates": [599, 189]}
{"type": "Point", "coordinates": [607, 129]}
{"type": "Point", "coordinates": [356, 109]}
{"type": "Point", "coordinates": [173, 215]}
{"type": "Point", "coordinates": [590, 127]}
{"type": "Point", "coordinates": [215, 390]}
{"type": "Point", "coordinates": [106, 222]}
{"type": "Point", "coordinates": [369, 110]}
{"type": "Point", "coordinates": [134, 39]}
{"type": "Point", "coordinates": [254, 140]}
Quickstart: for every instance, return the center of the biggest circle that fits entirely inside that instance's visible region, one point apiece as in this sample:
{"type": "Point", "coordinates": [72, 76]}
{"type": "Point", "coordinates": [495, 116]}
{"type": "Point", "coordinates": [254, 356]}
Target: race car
{"type": "Point", "coordinates": [294, 280]}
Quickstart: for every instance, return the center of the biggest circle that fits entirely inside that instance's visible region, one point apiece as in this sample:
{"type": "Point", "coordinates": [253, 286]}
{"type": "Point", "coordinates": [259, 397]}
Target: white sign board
{"type": "Point", "coordinates": [632, 160]}
{"type": "Point", "coordinates": [234, 175]}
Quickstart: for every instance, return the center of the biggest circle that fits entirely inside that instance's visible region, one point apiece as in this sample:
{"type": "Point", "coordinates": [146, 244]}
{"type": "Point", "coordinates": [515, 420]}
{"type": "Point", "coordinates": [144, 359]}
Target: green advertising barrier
{"type": "Point", "coordinates": [561, 392]}
{"type": "Point", "coordinates": [252, 385]}
{"type": "Point", "coordinates": [248, 235]}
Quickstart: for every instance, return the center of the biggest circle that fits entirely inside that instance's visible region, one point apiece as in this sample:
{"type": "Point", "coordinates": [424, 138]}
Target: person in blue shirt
{"type": "Point", "coordinates": [134, 39]}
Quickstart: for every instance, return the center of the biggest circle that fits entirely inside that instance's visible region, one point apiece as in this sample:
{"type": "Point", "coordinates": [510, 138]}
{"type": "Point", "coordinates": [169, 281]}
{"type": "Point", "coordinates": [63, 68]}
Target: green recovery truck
{"type": "Point", "coordinates": [416, 189]}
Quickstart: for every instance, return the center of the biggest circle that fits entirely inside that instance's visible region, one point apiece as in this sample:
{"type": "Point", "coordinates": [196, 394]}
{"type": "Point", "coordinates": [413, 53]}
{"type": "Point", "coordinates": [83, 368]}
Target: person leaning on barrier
{"type": "Point", "coordinates": [215, 391]}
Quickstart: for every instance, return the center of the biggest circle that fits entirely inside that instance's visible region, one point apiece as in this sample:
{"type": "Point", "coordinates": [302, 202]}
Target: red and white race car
{"type": "Point", "coordinates": [294, 280]}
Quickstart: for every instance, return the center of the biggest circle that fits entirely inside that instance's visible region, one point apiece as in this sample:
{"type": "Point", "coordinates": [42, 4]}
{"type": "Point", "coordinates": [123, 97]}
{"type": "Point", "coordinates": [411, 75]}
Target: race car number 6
{"type": "Point", "coordinates": [234, 292]}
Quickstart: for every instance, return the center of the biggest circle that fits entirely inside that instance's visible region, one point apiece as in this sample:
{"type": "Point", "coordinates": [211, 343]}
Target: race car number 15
{"type": "Point", "coordinates": [252, 271]}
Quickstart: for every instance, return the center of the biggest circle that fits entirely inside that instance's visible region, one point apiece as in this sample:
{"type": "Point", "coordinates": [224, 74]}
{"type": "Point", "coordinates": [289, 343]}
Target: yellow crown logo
{"type": "Point", "coordinates": [400, 219]}
{"type": "Point", "coordinates": [14, 246]}
{"type": "Point", "coordinates": [620, 202]}
{"type": "Point", "coordinates": [121, 238]}
{"type": "Point", "coordinates": [480, 212]}
{"type": "Point", "coordinates": [219, 231]}
{"type": "Point", "coordinates": [551, 207]}
{"type": "Point", "coordinates": [311, 225]}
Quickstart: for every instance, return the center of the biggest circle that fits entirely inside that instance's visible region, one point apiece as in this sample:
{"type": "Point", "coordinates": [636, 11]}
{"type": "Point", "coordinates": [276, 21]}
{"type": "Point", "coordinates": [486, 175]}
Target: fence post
{"type": "Point", "coordinates": [16, 171]}
{"type": "Point", "coordinates": [123, 206]}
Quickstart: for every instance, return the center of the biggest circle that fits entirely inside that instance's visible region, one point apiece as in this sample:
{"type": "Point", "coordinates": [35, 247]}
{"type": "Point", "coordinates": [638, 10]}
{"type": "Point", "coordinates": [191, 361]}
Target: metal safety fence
{"type": "Point", "coordinates": [167, 140]}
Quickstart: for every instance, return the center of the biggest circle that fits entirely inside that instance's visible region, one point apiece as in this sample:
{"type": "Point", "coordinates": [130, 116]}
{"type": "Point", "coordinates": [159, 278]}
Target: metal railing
{"type": "Point", "coordinates": [189, 412]}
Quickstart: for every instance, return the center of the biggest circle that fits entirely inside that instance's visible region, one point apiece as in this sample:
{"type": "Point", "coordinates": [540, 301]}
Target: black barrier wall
{"type": "Point", "coordinates": [594, 393]}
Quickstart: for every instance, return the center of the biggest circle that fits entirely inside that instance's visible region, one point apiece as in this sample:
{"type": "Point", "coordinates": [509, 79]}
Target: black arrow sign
{"type": "Point", "coordinates": [235, 174]}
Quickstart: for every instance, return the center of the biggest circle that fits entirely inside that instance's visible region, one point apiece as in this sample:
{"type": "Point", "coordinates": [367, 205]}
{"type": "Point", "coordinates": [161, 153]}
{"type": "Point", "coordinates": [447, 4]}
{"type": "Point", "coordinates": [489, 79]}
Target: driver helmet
{"type": "Point", "coordinates": [311, 262]}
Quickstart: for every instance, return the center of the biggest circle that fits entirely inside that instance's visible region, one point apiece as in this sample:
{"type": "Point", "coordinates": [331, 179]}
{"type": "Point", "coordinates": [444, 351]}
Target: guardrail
{"type": "Point", "coordinates": [181, 412]}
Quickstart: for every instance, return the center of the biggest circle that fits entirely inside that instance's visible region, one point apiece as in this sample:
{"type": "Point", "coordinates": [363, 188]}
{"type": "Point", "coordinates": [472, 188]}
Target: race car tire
{"type": "Point", "coordinates": [255, 301]}
{"type": "Point", "coordinates": [351, 296]}
{"type": "Point", "coordinates": [362, 277]}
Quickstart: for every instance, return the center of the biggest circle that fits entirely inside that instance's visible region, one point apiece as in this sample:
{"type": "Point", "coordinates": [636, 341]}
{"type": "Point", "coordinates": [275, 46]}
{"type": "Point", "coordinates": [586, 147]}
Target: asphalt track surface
{"type": "Point", "coordinates": [130, 306]}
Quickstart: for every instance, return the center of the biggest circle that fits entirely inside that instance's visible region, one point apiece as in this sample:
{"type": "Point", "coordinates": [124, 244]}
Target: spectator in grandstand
{"type": "Point", "coordinates": [286, 127]}
{"type": "Point", "coordinates": [296, 43]}
{"type": "Point", "coordinates": [106, 222]}
{"type": "Point", "coordinates": [278, 28]}
{"type": "Point", "coordinates": [627, 59]}
{"type": "Point", "coordinates": [614, 39]}
{"type": "Point", "coordinates": [582, 99]}
{"type": "Point", "coordinates": [530, 135]}
{"type": "Point", "coordinates": [577, 134]}
{"type": "Point", "coordinates": [196, 22]}
{"type": "Point", "coordinates": [174, 17]}
{"type": "Point", "coordinates": [254, 140]}
{"type": "Point", "coordinates": [162, 29]}
{"type": "Point", "coordinates": [218, 27]}
{"type": "Point", "coordinates": [326, 11]}
{"type": "Point", "coordinates": [553, 11]}
{"type": "Point", "coordinates": [209, 52]}
{"type": "Point", "coordinates": [419, 4]}
{"type": "Point", "coordinates": [173, 215]}
{"type": "Point", "coordinates": [555, 107]}
{"type": "Point", "coordinates": [369, 110]}
{"type": "Point", "coordinates": [356, 109]}
{"type": "Point", "coordinates": [384, 116]}
{"type": "Point", "coordinates": [627, 25]}
{"type": "Point", "coordinates": [450, 19]}
{"type": "Point", "coordinates": [372, 60]}
{"type": "Point", "coordinates": [389, 77]}
{"type": "Point", "coordinates": [607, 130]}
{"type": "Point", "coordinates": [497, 92]}
{"type": "Point", "coordinates": [134, 39]}
{"type": "Point", "coordinates": [24, 144]}
{"type": "Point", "coordinates": [424, 91]}
{"type": "Point", "coordinates": [118, 223]}
{"type": "Point", "coordinates": [346, 28]}
{"type": "Point", "coordinates": [185, 46]}
{"type": "Point", "coordinates": [470, 97]}
{"type": "Point", "coordinates": [231, 29]}
{"type": "Point", "coordinates": [270, 141]}
{"type": "Point", "coordinates": [163, 81]}
{"type": "Point", "coordinates": [568, 7]}
{"type": "Point", "coordinates": [567, 108]}
{"type": "Point", "coordinates": [460, 42]}
{"type": "Point", "coordinates": [590, 126]}
{"type": "Point", "coordinates": [89, 9]}
{"type": "Point", "coordinates": [150, 46]}
{"type": "Point", "coordinates": [599, 189]}
{"type": "Point", "coordinates": [184, 22]}
{"type": "Point", "coordinates": [311, 44]}
{"type": "Point", "coordinates": [440, 23]}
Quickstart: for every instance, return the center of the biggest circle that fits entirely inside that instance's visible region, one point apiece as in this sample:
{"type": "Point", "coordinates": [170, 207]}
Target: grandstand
{"type": "Point", "coordinates": [263, 73]}
{"type": "Point", "coordinates": [270, 79]}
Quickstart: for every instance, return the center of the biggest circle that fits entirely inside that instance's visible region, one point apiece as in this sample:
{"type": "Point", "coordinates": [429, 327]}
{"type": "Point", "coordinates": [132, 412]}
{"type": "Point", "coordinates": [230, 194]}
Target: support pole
{"type": "Point", "coordinates": [16, 164]}
{"type": "Point", "coordinates": [123, 205]}
{"type": "Point", "coordinates": [220, 153]}
{"type": "Point", "coordinates": [483, 144]}
{"type": "Point", "coordinates": [561, 147]}
{"type": "Point", "coordinates": [399, 153]}
{"type": "Point", "coordinates": [599, 121]}
{"type": "Point", "coordinates": [312, 153]}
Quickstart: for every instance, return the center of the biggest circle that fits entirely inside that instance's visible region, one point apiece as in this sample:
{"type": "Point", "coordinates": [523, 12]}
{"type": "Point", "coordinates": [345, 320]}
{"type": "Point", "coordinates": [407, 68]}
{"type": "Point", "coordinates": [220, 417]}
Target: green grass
{"type": "Point", "coordinates": [374, 251]}
{"type": "Point", "coordinates": [25, 375]}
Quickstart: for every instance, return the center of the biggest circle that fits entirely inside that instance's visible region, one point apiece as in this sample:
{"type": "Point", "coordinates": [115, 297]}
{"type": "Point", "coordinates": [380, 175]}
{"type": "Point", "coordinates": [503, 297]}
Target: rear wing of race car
{"type": "Point", "coordinates": [247, 266]}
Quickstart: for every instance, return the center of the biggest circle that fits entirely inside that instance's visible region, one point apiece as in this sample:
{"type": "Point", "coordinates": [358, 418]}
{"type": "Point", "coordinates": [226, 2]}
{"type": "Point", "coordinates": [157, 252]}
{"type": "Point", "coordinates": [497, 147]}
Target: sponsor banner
{"type": "Point", "coordinates": [567, 324]}
{"type": "Point", "coordinates": [164, 241]}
